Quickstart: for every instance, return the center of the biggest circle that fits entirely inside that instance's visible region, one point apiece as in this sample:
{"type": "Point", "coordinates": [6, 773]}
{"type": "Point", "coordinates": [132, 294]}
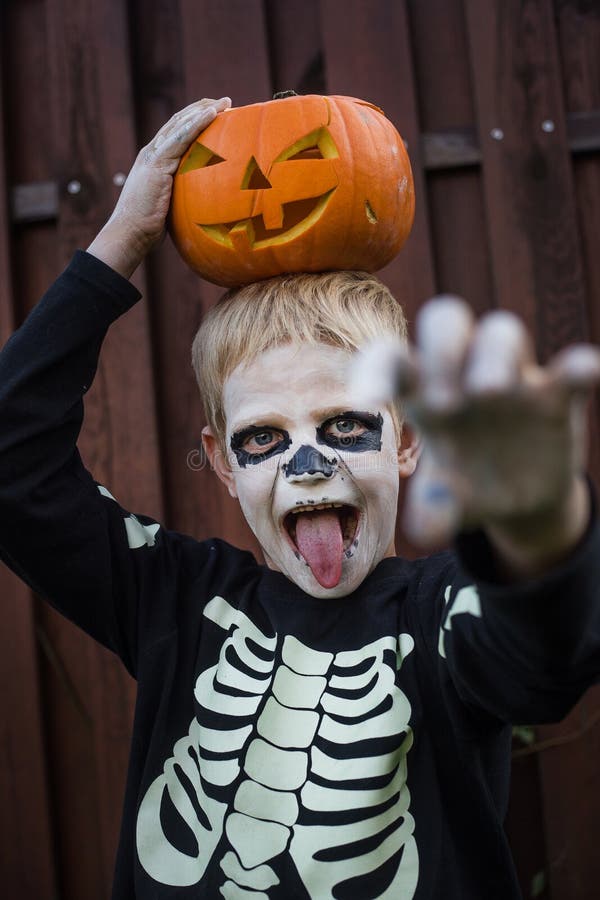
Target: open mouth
{"type": "Point", "coordinates": [322, 534]}
{"type": "Point", "coordinates": [298, 216]}
{"type": "Point", "coordinates": [347, 517]}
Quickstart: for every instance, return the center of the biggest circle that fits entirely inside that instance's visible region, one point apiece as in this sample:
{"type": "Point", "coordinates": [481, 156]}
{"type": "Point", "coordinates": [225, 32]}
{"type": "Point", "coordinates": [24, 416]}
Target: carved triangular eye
{"type": "Point", "coordinates": [317, 145]}
{"type": "Point", "coordinates": [200, 157]}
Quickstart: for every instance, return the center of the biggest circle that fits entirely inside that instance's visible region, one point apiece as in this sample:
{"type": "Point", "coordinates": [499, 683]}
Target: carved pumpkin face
{"type": "Point", "coordinates": [300, 184]}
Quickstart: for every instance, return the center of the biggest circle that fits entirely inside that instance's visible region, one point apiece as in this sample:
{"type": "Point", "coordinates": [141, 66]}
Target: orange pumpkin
{"type": "Point", "coordinates": [296, 184]}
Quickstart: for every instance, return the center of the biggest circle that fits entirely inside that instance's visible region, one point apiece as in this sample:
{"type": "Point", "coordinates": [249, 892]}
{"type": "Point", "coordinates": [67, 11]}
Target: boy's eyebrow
{"type": "Point", "coordinates": [262, 420]}
{"type": "Point", "coordinates": [331, 412]}
{"type": "Point", "coordinates": [280, 421]}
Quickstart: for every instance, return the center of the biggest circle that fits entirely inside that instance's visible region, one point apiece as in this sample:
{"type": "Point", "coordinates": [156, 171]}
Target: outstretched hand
{"type": "Point", "coordinates": [138, 221]}
{"type": "Point", "coordinates": [503, 439]}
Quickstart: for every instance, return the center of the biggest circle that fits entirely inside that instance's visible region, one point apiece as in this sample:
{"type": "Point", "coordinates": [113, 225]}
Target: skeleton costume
{"type": "Point", "coordinates": [284, 746]}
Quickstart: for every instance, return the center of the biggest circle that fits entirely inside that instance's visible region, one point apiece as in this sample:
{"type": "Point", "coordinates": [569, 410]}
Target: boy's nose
{"type": "Point", "coordinates": [311, 462]}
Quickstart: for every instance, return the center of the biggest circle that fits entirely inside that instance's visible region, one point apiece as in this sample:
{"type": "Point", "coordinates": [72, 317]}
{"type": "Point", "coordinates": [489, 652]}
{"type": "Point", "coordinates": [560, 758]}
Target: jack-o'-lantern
{"type": "Point", "coordinates": [296, 184]}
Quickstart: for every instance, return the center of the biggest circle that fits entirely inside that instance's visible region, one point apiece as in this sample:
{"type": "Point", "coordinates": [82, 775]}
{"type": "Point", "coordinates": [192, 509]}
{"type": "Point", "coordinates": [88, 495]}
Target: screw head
{"type": "Point", "coordinates": [74, 186]}
{"type": "Point", "coordinates": [496, 134]}
{"type": "Point", "coordinates": [548, 126]}
{"type": "Point", "coordinates": [119, 179]}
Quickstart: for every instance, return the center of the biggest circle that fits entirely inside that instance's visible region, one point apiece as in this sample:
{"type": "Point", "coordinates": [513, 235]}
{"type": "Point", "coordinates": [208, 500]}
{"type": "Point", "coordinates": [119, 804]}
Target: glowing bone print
{"type": "Point", "coordinates": [296, 740]}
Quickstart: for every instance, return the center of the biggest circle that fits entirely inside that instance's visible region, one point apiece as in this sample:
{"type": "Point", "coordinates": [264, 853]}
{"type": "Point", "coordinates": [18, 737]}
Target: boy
{"type": "Point", "coordinates": [333, 724]}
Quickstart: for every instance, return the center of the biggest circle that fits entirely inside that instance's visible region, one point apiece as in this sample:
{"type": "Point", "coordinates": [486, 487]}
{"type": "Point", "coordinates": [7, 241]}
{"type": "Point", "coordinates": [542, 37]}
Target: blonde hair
{"type": "Point", "coordinates": [341, 309]}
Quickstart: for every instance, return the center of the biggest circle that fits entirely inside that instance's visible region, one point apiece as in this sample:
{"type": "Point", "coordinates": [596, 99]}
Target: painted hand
{"type": "Point", "coordinates": [504, 439]}
{"type": "Point", "coordinates": [138, 221]}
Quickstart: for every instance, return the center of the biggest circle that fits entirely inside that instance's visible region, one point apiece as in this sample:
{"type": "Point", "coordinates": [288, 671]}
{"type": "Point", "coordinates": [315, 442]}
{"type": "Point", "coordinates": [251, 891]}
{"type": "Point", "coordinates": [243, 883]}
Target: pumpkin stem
{"type": "Point", "coordinates": [280, 95]}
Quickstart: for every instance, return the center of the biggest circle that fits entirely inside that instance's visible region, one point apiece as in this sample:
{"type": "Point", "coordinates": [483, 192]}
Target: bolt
{"type": "Point", "coordinates": [74, 187]}
{"type": "Point", "coordinates": [497, 134]}
{"type": "Point", "coordinates": [548, 126]}
{"type": "Point", "coordinates": [119, 179]}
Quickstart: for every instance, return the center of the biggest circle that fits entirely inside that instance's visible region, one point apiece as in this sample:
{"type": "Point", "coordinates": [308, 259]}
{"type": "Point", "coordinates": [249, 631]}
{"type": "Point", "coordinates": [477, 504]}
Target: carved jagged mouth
{"type": "Point", "coordinates": [298, 216]}
{"type": "Point", "coordinates": [348, 516]}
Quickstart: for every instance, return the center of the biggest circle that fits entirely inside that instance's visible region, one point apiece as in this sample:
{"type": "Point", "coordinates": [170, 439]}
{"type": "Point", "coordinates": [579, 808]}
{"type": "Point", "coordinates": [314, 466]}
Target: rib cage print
{"type": "Point", "coordinates": [312, 747]}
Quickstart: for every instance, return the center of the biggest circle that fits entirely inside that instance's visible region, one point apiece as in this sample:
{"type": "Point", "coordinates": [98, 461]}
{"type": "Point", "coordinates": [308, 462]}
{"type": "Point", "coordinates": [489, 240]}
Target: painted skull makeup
{"type": "Point", "coordinates": [317, 479]}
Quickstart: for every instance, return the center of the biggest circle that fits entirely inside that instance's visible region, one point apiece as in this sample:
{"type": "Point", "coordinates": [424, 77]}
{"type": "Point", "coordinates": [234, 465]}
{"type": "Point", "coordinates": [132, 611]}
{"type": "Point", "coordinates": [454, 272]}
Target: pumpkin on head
{"type": "Point", "coordinates": [296, 184]}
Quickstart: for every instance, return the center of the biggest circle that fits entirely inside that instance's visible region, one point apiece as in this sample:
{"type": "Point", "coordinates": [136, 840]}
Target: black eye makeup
{"type": "Point", "coordinates": [353, 431]}
{"type": "Point", "coordinates": [254, 444]}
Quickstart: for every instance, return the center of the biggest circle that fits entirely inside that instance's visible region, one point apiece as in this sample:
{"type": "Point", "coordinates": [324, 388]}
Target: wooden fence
{"type": "Point", "coordinates": [499, 101]}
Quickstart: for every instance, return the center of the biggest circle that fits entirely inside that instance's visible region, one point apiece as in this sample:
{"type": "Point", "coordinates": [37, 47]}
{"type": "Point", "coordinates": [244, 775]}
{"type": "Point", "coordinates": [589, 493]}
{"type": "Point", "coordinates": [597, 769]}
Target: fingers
{"type": "Point", "coordinates": [460, 364]}
{"type": "Point", "coordinates": [175, 136]}
{"type": "Point", "coordinates": [454, 358]}
{"type": "Point", "coordinates": [576, 371]}
{"type": "Point", "coordinates": [499, 355]}
{"type": "Point", "coordinates": [577, 368]}
{"type": "Point", "coordinates": [488, 413]}
{"type": "Point", "coordinates": [443, 332]}
{"type": "Point", "coordinates": [380, 371]}
{"type": "Point", "coordinates": [459, 358]}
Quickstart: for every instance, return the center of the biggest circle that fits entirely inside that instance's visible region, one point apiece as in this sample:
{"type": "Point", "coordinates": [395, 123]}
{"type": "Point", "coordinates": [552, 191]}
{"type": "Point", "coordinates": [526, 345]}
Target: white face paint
{"type": "Point", "coordinates": [296, 398]}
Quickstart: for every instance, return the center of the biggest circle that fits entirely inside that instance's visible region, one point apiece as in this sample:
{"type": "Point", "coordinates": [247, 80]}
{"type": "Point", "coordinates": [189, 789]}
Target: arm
{"type": "Point", "coordinates": [501, 474]}
{"type": "Point", "coordinates": [69, 540]}
{"type": "Point", "coordinates": [527, 650]}
{"type": "Point", "coordinates": [55, 528]}
{"type": "Point", "coordinates": [504, 439]}
{"type": "Point", "coordinates": [137, 224]}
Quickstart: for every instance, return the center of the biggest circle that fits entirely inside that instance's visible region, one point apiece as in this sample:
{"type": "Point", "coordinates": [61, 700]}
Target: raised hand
{"type": "Point", "coordinates": [504, 439]}
{"type": "Point", "coordinates": [138, 221]}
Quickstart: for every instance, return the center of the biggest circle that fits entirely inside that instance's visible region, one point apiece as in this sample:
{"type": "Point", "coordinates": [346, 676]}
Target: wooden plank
{"type": "Point", "coordinates": [579, 36]}
{"type": "Point", "coordinates": [180, 61]}
{"type": "Point", "coordinates": [524, 826]}
{"type": "Point", "coordinates": [26, 839]}
{"type": "Point", "coordinates": [450, 149]}
{"type": "Point", "coordinates": [528, 185]}
{"type": "Point", "coordinates": [26, 848]}
{"type": "Point", "coordinates": [453, 148]}
{"type": "Point", "coordinates": [455, 199]}
{"type": "Point", "coordinates": [248, 81]}
{"type": "Point", "coordinates": [94, 141]}
{"type": "Point", "coordinates": [567, 757]}
{"type": "Point", "coordinates": [295, 49]}
{"type": "Point", "coordinates": [583, 129]}
{"type": "Point", "coordinates": [35, 202]}
{"type": "Point", "coordinates": [538, 272]}
{"type": "Point", "coordinates": [216, 39]}
{"type": "Point", "coordinates": [34, 266]}
{"type": "Point", "coordinates": [569, 765]}
{"type": "Point", "coordinates": [368, 55]}
{"type": "Point", "coordinates": [457, 147]}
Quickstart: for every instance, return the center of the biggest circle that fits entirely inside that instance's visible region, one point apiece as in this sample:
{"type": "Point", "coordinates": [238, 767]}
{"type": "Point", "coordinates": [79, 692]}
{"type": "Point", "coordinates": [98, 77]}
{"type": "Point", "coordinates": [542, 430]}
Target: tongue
{"type": "Point", "coordinates": [319, 540]}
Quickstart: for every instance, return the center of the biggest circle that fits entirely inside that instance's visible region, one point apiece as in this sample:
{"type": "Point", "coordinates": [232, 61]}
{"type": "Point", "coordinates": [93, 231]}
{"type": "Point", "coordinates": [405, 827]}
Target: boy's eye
{"type": "Point", "coordinates": [265, 437]}
{"type": "Point", "coordinates": [345, 431]}
{"type": "Point", "coordinates": [256, 443]}
{"type": "Point", "coordinates": [356, 432]}
{"type": "Point", "coordinates": [261, 441]}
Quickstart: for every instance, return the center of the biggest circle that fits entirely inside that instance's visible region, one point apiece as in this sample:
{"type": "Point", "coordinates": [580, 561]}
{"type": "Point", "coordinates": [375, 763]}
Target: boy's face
{"type": "Point", "coordinates": [317, 478]}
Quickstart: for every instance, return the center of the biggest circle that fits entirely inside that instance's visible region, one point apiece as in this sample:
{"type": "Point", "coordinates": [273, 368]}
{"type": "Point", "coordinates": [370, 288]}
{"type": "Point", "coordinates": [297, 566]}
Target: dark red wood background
{"type": "Point", "coordinates": [499, 101]}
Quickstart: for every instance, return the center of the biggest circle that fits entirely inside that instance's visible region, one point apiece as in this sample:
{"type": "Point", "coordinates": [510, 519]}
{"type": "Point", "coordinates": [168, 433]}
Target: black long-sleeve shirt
{"type": "Point", "coordinates": [283, 746]}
